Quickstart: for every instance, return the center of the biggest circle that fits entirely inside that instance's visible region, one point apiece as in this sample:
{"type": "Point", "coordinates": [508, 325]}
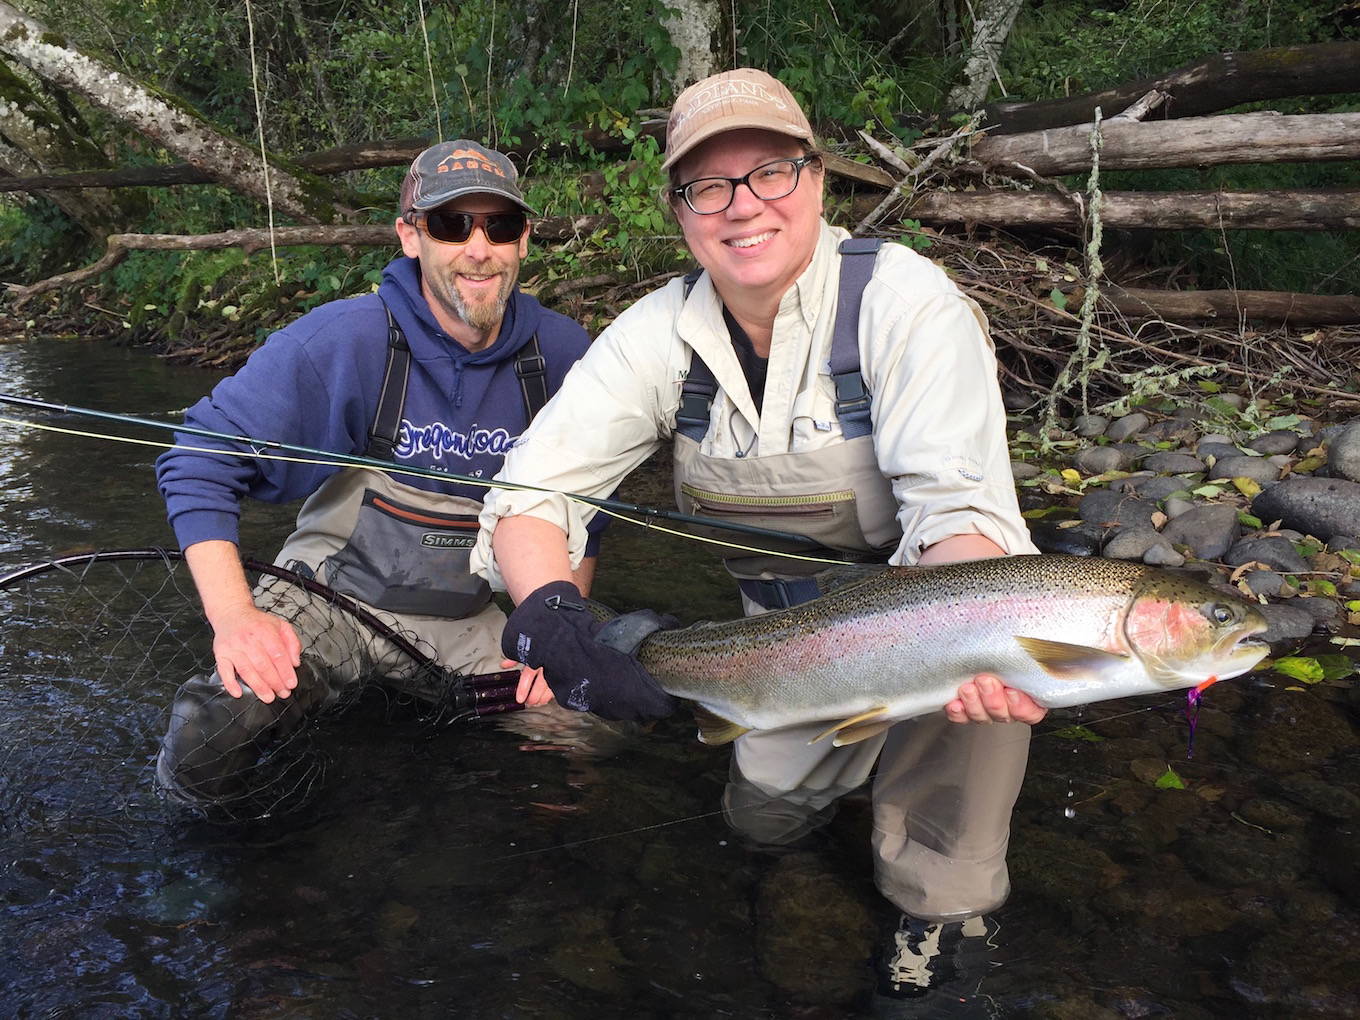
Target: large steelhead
{"type": "Point", "coordinates": [1067, 630]}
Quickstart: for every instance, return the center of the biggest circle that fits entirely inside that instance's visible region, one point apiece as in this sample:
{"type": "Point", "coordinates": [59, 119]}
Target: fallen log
{"type": "Point", "coordinates": [1193, 141]}
{"type": "Point", "coordinates": [1216, 83]}
{"type": "Point", "coordinates": [254, 239]}
{"type": "Point", "coordinates": [1331, 209]}
{"type": "Point", "coordinates": [1234, 305]}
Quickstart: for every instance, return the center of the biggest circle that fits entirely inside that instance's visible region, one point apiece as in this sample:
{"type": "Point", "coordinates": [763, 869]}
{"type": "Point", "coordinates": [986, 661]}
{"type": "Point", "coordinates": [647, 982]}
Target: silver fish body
{"type": "Point", "coordinates": [1067, 630]}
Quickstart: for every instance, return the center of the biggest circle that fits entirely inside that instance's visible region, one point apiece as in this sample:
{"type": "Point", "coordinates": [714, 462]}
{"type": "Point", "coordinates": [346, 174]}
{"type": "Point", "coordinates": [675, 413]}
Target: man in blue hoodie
{"type": "Point", "coordinates": [441, 369]}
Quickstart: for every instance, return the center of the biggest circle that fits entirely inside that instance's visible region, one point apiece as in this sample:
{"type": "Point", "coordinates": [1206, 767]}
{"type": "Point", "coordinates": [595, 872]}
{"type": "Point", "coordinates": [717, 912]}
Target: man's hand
{"type": "Point", "coordinates": [985, 699]}
{"type": "Point", "coordinates": [257, 649]}
{"type": "Point", "coordinates": [533, 690]}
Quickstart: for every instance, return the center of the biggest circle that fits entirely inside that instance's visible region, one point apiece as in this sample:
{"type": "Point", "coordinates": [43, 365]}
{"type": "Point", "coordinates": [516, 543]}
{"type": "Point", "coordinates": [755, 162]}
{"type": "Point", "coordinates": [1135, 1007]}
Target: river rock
{"type": "Point", "coordinates": [1155, 487]}
{"type": "Point", "coordinates": [1258, 469]}
{"type": "Point", "coordinates": [1085, 539]}
{"type": "Point", "coordinates": [1111, 509]}
{"type": "Point", "coordinates": [1132, 542]}
{"type": "Point", "coordinates": [1172, 430]}
{"type": "Point", "coordinates": [1294, 730]}
{"type": "Point", "coordinates": [1129, 425]}
{"type": "Point", "coordinates": [1264, 582]}
{"type": "Point", "coordinates": [1161, 554]}
{"type": "Point", "coordinates": [1088, 426]}
{"type": "Point", "coordinates": [1165, 463]}
{"type": "Point", "coordinates": [1096, 460]}
{"type": "Point", "coordinates": [1278, 441]}
{"type": "Point", "coordinates": [1343, 456]}
{"type": "Point", "coordinates": [1322, 507]}
{"type": "Point", "coordinates": [1272, 550]}
{"type": "Point", "coordinates": [1286, 623]}
{"type": "Point", "coordinates": [1176, 505]}
{"type": "Point", "coordinates": [1022, 470]}
{"type": "Point", "coordinates": [1209, 530]}
{"type": "Point", "coordinates": [1216, 450]}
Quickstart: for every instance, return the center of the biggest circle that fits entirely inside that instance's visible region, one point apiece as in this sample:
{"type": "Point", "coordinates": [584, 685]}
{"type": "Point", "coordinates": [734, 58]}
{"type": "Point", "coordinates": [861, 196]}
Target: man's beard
{"type": "Point", "coordinates": [482, 316]}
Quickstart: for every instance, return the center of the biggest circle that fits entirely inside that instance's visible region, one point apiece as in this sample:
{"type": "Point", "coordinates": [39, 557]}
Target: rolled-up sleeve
{"type": "Point", "coordinates": [939, 423]}
{"type": "Point", "coordinates": [602, 424]}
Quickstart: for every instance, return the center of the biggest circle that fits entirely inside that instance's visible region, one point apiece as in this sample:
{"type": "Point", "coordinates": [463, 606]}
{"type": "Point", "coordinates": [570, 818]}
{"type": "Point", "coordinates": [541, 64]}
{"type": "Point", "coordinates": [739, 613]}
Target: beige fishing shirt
{"type": "Point", "coordinates": [939, 425]}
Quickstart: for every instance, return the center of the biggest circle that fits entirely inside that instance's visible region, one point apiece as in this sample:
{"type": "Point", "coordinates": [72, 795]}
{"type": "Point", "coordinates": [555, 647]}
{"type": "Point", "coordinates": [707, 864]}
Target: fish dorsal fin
{"type": "Point", "coordinates": [1066, 661]}
{"type": "Point", "coordinates": [848, 724]}
{"type": "Point", "coordinates": [714, 729]}
{"type": "Point", "coordinates": [854, 734]}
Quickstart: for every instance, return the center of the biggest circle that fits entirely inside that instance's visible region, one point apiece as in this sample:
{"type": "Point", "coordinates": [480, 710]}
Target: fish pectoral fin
{"type": "Point", "coordinates": [851, 723]}
{"type": "Point", "coordinates": [854, 734]}
{"type": "Point", "coordinates": [1066, 661]}
{"type": "Point", "coordinates": [714, 729]}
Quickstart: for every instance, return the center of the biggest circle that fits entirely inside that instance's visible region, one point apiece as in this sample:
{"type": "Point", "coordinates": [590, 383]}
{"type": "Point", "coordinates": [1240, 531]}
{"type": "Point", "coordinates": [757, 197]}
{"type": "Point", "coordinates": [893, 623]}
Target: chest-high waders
{"type": "Point", "coordinates": [942, 792]}
{"type": "Point", "coordinates": [400, 550]}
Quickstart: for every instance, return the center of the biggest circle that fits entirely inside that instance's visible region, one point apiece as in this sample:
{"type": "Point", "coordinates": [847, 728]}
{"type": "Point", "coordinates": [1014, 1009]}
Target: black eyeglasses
{"type": "Point", "coordinates": [768, 182]}
{"type": "Point", "coordinates": [454, 227]}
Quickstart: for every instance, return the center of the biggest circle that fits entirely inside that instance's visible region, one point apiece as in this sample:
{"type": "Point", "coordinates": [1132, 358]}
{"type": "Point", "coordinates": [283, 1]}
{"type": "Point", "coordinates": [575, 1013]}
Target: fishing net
{"type": "Point", "coordinates": [94, 649]}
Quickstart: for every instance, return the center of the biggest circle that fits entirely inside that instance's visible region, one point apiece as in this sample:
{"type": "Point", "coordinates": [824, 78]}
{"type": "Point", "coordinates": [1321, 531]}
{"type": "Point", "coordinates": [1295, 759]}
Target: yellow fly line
{"type": "Point", "coordinates": [419, 473]}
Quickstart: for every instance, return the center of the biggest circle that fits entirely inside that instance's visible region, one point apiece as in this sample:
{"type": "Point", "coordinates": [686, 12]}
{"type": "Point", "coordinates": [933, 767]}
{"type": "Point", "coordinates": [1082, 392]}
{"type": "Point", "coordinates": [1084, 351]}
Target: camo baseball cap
{"type": "Point", "coordinates": [450, 170]}
{"type": "Point", "coordinates": [744, 98]}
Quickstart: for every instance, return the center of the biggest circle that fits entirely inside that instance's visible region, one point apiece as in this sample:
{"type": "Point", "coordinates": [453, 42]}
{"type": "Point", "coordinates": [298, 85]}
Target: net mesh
{"type": "Point", "coordinates": [105, 661]}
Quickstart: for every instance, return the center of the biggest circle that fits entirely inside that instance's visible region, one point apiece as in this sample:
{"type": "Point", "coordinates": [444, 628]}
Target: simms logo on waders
{"type": "Point", "coordinates": [438, 541]}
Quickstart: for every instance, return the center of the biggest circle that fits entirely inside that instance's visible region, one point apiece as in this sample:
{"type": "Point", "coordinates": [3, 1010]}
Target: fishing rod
{"type": "Point", "coordinates": [356, 460]}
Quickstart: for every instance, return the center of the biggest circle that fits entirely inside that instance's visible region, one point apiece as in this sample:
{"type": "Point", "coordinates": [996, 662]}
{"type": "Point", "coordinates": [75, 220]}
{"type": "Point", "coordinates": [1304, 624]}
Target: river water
{"type": "Point", "coordinates": [487, 870]}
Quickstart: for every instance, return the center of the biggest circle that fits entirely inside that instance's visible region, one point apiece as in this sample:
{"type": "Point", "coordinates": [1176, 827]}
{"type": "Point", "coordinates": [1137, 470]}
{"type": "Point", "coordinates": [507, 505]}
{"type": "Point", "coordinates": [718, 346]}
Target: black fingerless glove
{"type": "Point", "coordinates": [590, 664]}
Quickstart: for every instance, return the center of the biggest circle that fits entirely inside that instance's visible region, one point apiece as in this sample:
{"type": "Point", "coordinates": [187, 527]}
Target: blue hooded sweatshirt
{"type": "Point", "coordinates": [316, 383]}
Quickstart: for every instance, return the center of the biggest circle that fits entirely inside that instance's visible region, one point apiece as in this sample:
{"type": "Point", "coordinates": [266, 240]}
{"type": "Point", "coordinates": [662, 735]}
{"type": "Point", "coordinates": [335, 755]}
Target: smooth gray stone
{"type": "Point", "coordinates": [1174, 506]}
{"type": "Point", "coordinates": [1083, 540]}
{"type": "Point", "coordinates": [1322, 610]}
{"type": "Point", "coordinates": [1108, 508]}
{"type": "Point", "coordinates": [1258, 469]}
{"type": "Point", "coordinates": [1209, 530]}
{"type": "Point", "coordinates": [1096, 460]}
{"type": "Point", "coordinates": [1129, 425]}
{"type": "Point", "coordinates": [1264, 582]}
{"type": "Point", "coordinates": [1021, 470]}
{"type": "Point", "coordinates": [1338, 542]}
{"type": "Point", "coordinates": [1166, 463]}
{"type": "Point", "coordinates": [1286, 623]}
{"type": "Point", "coordinates": [1156, 488]}
{"type": "Point", "coordinates": [1234, 400]}
{"type": "Point", "coordinates": [1321, 507]}
{"type": "Point", "coordinates": [1133, 452]}
{"type": "Point", "coordinates": [1216, 450]}
{"type": "Point", "coordinates": [1132, 542]}
{"type": "Point", "coordinates": [1088, 426]}
{"type": "Point", "coordinates": [1273, 551]}
{"type": "Point", "coordinates": [1162, 555]}
{"type": "Point", "coordinates": [1279, 441]}
{"type": "Point", "coordinates": [1170, 430]}
{"type": "Point", "coordinates": [1343, 455]}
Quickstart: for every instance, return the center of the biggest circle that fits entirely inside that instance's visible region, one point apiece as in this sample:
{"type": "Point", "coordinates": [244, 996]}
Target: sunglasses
{"type": "Point", "coordinates": [456, 227]}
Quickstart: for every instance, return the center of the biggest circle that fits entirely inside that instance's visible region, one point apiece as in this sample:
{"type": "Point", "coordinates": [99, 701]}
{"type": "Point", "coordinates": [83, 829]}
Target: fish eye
{"type": "Point", "coordinates": [1220, 612]}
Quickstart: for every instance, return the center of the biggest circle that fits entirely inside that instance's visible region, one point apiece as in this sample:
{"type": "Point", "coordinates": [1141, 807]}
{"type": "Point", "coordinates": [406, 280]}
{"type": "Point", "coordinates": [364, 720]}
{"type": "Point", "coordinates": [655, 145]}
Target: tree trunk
{"type": "Point", "coordinates": [1207, 86]}
{"type": "Point", "coordinates": [691, 27]}
{"type": "Point", "coordinates": [39, 140]}
{"type": "Point", "coordinates": [1233, 305]}
{"type": "Point", "coordinates": [1196, 141]}
{"type": "Point", "coordinates": [180, 131]}
{"type": "Point", "coordinates": [1337, 209]}
{"type": "Point", "coordinates": [991, 25]}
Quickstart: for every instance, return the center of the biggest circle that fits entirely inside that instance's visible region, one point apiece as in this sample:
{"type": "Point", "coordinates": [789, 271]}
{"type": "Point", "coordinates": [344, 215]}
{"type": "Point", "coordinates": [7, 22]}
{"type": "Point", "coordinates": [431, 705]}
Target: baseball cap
{"type": "Point", "coordinates": [743, 98]}
{"type": "Point", "coordinates": [450, 170]}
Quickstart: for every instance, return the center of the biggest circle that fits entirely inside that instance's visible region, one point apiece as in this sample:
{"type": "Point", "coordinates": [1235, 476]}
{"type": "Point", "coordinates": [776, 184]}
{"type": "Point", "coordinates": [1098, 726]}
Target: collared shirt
{"type": "Point", "coordinates": [939, 424]}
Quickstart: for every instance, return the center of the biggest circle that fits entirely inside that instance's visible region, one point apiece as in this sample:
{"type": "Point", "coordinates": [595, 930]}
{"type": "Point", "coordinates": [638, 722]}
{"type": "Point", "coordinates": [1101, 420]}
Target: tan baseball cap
{"type": "Point", "coordinates": [744, 98]}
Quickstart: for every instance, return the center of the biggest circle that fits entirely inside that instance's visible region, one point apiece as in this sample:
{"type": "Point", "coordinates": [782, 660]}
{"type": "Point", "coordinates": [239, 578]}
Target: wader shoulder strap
{"type": "Point", "coordinates": [853, 401]}
{"type": "Point", "coordinates": [382, 437]}
{"type": "Point", "coordinates": [532, 372]}
{"type": "Point", "coordinates": [699, 388]}
{"type": "Point", "coordinates": [858, 255]}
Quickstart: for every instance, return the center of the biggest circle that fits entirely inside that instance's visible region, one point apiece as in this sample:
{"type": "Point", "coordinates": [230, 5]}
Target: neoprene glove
{"type": "Point", "coordinates": [590, 665]}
